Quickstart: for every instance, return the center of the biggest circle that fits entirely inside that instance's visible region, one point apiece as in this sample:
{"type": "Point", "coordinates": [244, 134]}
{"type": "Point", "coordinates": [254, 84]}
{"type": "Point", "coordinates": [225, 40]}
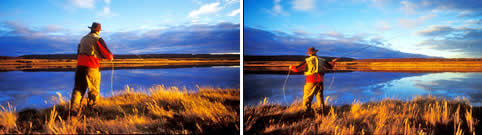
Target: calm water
{"type": "Point", "coordinates": [32, 89]}
{"type": "Point", "coordinates": [366, 86]}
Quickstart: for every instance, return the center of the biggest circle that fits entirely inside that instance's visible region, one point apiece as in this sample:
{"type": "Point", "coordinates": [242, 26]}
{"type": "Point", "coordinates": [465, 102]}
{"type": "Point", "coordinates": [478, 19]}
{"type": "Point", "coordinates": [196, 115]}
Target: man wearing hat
{"type": "Point", "coordinates": [314, 68]}
{"type": "Point", "coordinates": [91, 48]}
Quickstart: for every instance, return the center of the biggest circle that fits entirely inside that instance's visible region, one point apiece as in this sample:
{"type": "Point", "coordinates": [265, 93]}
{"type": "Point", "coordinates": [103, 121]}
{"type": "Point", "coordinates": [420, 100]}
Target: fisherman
{"type": "Point", "coordinates": [90, 49]}
{"type": "Point", "coordinates": [315, 68]}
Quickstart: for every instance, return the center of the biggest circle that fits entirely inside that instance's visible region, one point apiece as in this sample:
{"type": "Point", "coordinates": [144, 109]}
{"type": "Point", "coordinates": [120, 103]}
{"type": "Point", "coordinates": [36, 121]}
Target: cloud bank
{"type": "Point", "coordinates": [465, 8]}
{"type": "Point", "coordinates": [464, 40]}
{"type": "Point", "coordinates": [205, 9]}
{"type": "Point", "coordinates": [262, 42]}
{"type": "Point", "coordinates": [17, 39]}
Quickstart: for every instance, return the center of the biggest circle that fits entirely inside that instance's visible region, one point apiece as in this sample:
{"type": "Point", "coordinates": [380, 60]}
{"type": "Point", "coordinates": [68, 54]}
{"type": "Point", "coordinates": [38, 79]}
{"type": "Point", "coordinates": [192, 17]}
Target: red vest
{"type": "Point", "coordinates": [91, 49]}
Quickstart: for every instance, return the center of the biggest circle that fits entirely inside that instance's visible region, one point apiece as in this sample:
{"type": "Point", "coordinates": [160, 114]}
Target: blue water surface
{"type": "Point", "coordinates": [347, 87]}
{"type": "Point", "coordinates": [36, 89]}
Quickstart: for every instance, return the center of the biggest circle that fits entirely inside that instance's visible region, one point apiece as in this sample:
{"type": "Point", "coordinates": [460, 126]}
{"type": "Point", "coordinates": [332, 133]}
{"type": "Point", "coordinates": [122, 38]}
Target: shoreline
{"type": "Point", "coordinates": [375, 65]}
{"type": "Point", "coordinates": [148, 63]}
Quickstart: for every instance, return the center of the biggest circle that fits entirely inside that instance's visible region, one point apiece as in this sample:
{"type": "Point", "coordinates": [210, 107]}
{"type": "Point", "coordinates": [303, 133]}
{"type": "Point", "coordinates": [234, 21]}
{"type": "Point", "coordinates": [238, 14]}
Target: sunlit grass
{"type": "Point", "coordinates": [7, 118]}
{"type": "Point", "coordinates": [165, 110]}
{"type": "Point", "coordinates": [421, 115]}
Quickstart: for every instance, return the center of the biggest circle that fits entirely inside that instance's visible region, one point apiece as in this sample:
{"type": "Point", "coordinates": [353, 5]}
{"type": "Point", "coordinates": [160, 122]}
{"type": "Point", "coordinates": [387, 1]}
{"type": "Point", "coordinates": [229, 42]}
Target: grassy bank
{"type": "Point", "coordinates": [160, 110]}
{"type": "Point", "coordinates": [422, 115]}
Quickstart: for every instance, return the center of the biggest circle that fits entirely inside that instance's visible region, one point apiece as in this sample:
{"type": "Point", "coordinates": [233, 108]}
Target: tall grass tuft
{"type": "Point", "coordinates": [7, 119]}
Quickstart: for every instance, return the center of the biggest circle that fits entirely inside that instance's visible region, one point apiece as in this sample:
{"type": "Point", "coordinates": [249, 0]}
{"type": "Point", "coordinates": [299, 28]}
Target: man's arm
{"type": "Point", "coordinates": [328, 65]}
{"type": "Point", "coordinates": [104, 50]}
{"type": "Point", "coordinates": [299, 68]}
{"type": "Point", "coordinates": [332, 64]}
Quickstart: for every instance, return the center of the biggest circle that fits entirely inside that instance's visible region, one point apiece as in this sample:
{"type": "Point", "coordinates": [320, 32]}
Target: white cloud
{"type": "Point", "coordinates": [334, 34]}
{"type": "Point", "coordinates": [205, 9]}
{"type": "Point", "coordinates": [277, 8]}
{"type": "Point", "coordinates": [84, 3]}
{"type": "Point", "coordinates": [106, 12]}
{"type": "Point", "coordinates": [472, 22]}
{"type": "Point", "coordinates": [464, 8]}
{"type": "Point", "coordinates": [300, 32]}
{"type": "Point", "coordinates": [303, 5]}
{"type": "Point", "coordinates": [408, 7]}
{"type": "Point", "coordinates": [234, 12]}
{"type": "Point", "coordinates": [383, 26]}
{"type": "Point", "coordinates": [194, 21]}
{"type": "Point", "coordinates": [409, 23]}
{"type": "Point", "coordinates": [439, 30]}
{"type": "Point", "coordinates": [412, 23]}
{"type": "Point", "coordinates": [230, 2]}
{"type": "Point", "coordinates": [463, 41]}
{"type": "Point", "coordinates": [469, 13]}
{"type": "Point", "coordinates": [53, 28]}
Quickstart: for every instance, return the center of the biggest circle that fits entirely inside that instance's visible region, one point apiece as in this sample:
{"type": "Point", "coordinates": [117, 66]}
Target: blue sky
{"type": "Point", "coordinates": [406, 28]}
{"type": "Point", "coordinates": [129, 27]}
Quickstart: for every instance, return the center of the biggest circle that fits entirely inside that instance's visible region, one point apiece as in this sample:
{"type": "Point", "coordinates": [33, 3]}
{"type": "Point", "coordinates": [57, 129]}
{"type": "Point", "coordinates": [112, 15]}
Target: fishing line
{"type": "Point", "coordinates": [284, 95]}
{"type": "Point", "coordinates": [355, 51]}
{"type": "Point", "coordinates": [351, 52]}
{"type": "Point", "coordinates": [332, 77]}
{"type": "Point", "coordinates": [112, 77]}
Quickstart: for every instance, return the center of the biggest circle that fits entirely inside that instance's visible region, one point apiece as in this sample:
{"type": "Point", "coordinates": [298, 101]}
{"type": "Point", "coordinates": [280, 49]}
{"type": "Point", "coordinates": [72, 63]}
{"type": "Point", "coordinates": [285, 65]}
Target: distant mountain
{"type": "Point", "coordinates": [420, 60]}
{"type": "Point", "coordinates": [267, 42]}
{"type": "Point", "coordinates": [288, 58]}
{"type": "Point", "coordinates": [6, 57]}
{"type": "Point", "coordinates": [129, 56]}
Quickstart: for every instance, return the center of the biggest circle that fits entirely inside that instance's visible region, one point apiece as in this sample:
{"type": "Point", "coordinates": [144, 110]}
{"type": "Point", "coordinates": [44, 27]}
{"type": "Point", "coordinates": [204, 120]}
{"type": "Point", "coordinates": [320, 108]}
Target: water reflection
{"type": "Point", "coordinates": [367, 86]}
{"type": "Point", "coordinates": [32, 89]}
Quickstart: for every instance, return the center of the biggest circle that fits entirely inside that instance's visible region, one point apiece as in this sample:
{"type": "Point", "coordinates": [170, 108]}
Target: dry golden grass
{"type": "Point", "coordinates": [159, 110]}
{"type": "Point", "coordinates": [7, 119]}
{"type": "Point", "coordinates": [421, 115]}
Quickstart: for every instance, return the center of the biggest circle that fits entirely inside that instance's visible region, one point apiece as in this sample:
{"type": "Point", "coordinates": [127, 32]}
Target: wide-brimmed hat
{"type": "Point", "coordinates": [95, 26]}
{"type": "Point", "coordinates": [311, 50]}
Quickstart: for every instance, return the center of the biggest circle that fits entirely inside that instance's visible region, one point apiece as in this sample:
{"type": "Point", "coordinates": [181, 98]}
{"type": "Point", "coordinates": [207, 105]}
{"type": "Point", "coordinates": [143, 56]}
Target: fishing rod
{"type": "Point", "coordinates": [344, 55]}
{"type": "Point", "coordinates": [355, 51]}
{"type": "Point", "coordinates": [352, 52]}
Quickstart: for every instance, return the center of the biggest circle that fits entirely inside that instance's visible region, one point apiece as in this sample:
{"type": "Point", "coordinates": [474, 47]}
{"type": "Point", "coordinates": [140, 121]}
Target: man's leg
{"type": "Point", "coordinates": [319, 96]}
{"type": "Point", "coordinates": [309, 92]}
{"type": "Point", "coordinates": [80, 85]}
{"type": "Point", "coordinates": [93, 81]}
